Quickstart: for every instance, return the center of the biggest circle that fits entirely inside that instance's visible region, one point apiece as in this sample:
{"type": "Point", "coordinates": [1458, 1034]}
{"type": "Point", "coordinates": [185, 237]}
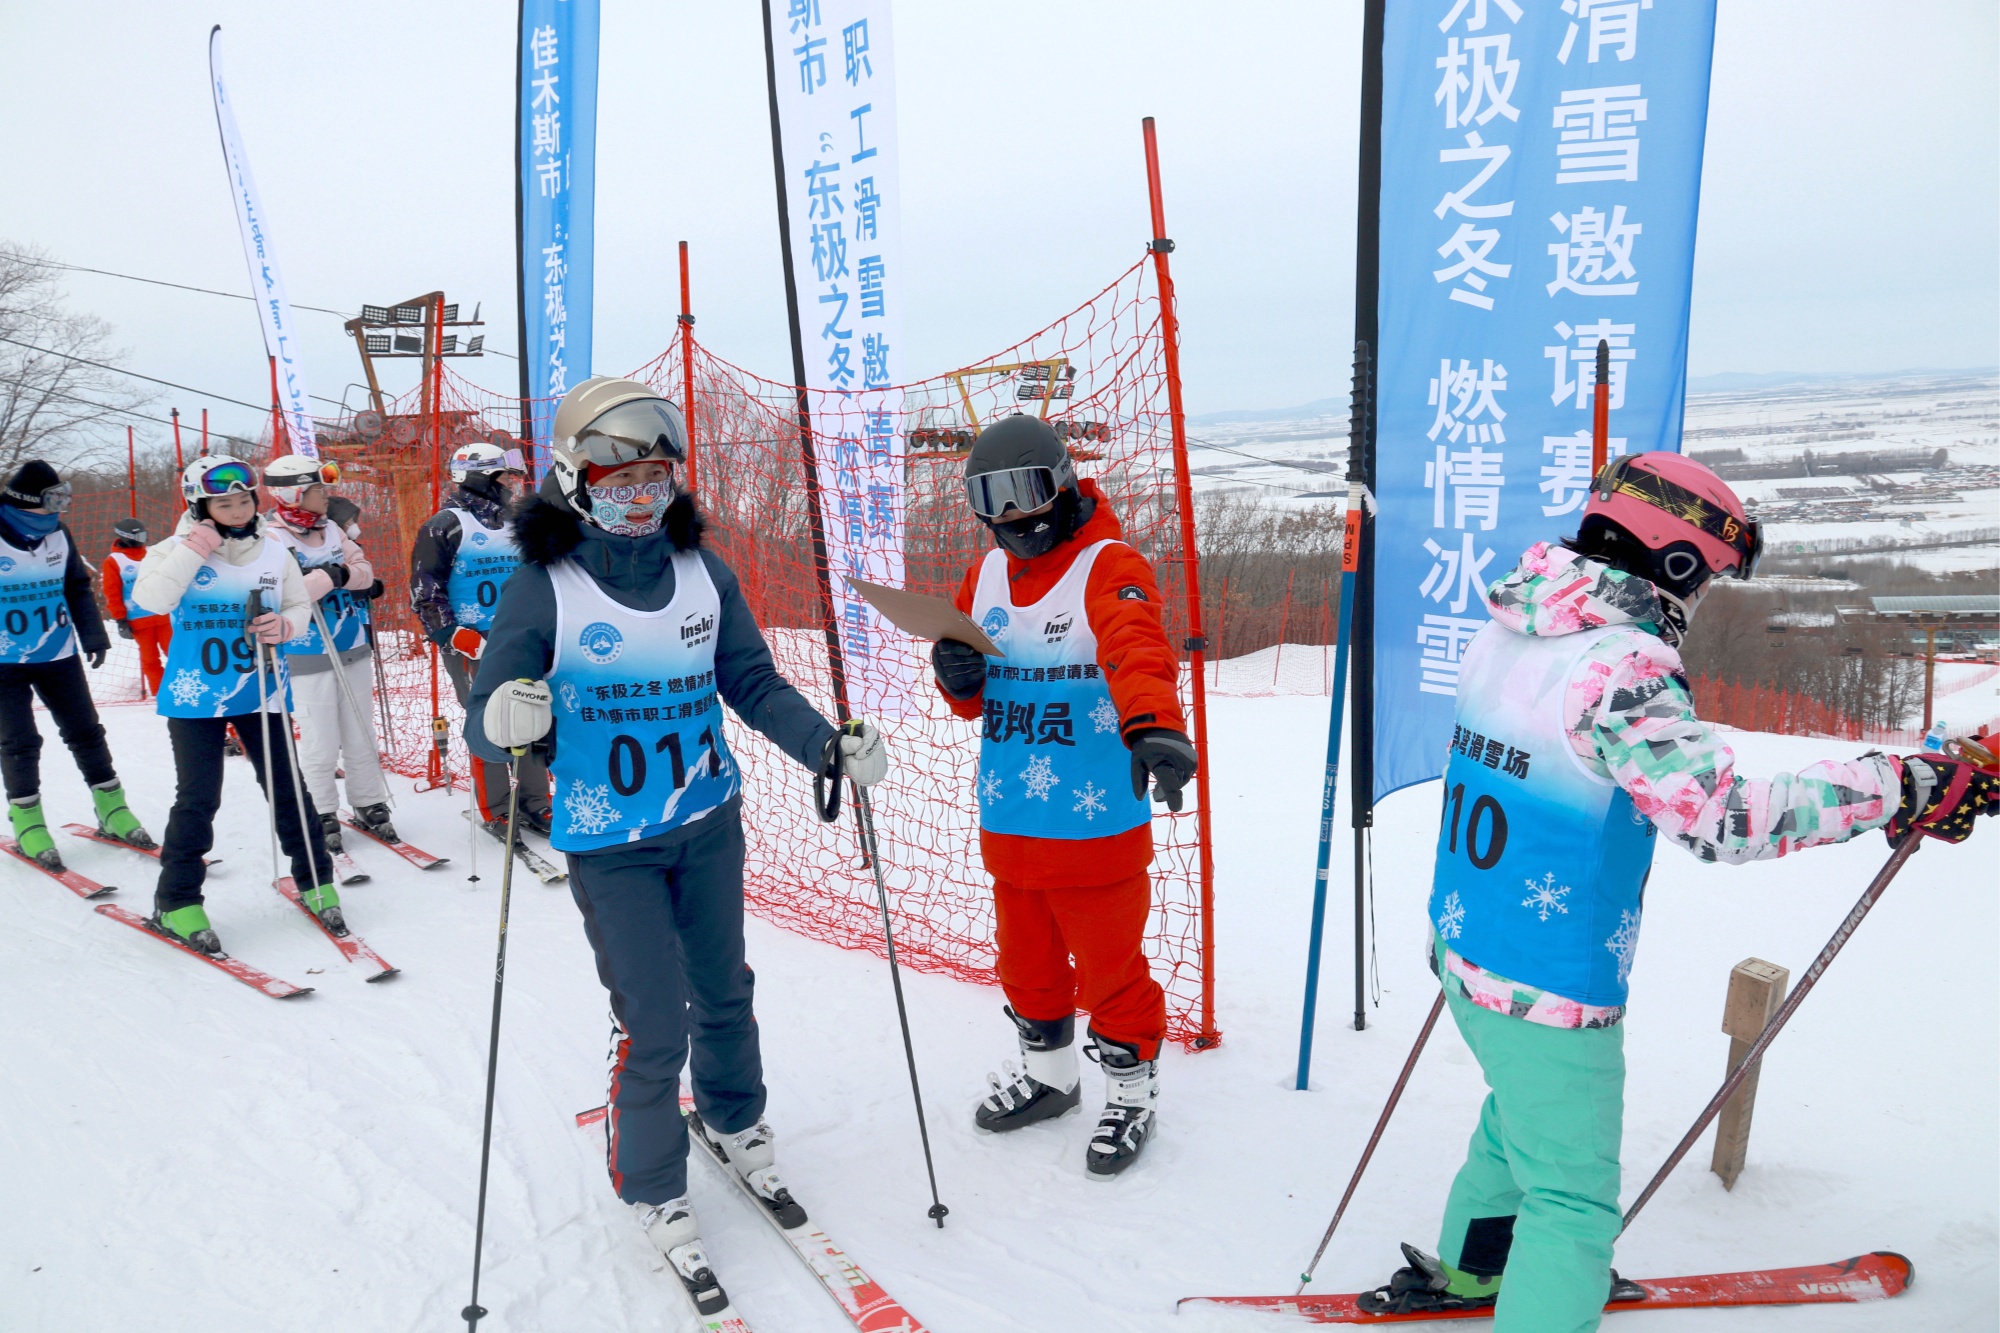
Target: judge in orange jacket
{"type": "Point", "coordinates": [1079, 717]}
{"type": "Point", "coordinates": [149, 633]}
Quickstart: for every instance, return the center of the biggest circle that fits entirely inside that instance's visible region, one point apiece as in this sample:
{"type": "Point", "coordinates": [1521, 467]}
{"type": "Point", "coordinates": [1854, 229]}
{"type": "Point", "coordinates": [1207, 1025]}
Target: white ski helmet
{"type": "Point", "coordinates": [288, 475]}
{"type": "Point", "coordinates": [211, 476]}
{"type": "Point", "coordinates": [469, 460]}
{"type": "Point", "coordinates": [606, 422]}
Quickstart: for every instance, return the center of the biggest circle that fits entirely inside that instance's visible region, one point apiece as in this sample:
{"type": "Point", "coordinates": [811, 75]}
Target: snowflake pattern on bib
{"type": "Point", "coordinates": [1089, 801]}
{"type": "Point", "coordinates": [1546, 896]}
{"type": "Point", "coordinates": [990, 787]}
{"type": "Point", "coordinates": [1040, 777]}
{"type": "Point", "coordinates": [1104, 716]}
{"type": "Point", "coordinates": [1624, 943]}
{"type": "Point", "coordinates": [590, 809]}
{"type": "Point", "coordinates": [569, 696]}
{"type": "Point", "coordinates": [187, 687]}
{"type": "Point", "coordinates": [1451, 921]}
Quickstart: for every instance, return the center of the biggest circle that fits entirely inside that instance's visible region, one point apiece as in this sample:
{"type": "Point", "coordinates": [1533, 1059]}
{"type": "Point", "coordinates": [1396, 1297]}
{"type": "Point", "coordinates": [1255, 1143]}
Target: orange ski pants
{"type": "Point", "coordinates": [1071, 948]}
{"type": "Point", "coordinates": [151, 635]}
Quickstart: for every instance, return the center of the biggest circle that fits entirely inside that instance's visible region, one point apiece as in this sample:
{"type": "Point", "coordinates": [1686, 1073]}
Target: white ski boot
{"type": "Point", "coordinates": [1045, 1085]}
{"type": "Point", "coordinates": [1131, 1099]}
{"type": "Point", "coordinates": [751, 1153]}
{"type": "Point", "coordinates": [672, 1228]}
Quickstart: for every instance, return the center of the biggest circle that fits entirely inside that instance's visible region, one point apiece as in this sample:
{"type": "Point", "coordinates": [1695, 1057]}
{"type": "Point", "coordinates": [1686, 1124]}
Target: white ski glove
{"type": "Point", "coordinates": [863, 757]}
{"type": "Point", "coordinates": [518, 714]}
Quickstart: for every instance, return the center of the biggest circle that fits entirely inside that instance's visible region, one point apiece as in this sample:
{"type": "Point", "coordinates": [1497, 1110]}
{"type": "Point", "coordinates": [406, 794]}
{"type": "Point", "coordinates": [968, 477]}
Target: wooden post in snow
{"type": "Point", "coordinates": [1756, 989]}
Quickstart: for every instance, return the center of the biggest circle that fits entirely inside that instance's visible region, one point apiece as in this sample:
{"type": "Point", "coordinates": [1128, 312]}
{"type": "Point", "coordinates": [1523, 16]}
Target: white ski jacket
{"type": "Point", "coordinates": [169, 567]}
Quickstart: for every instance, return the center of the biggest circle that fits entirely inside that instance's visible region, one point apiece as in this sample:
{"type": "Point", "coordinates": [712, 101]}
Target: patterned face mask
{"type": "Point", "coordinates": [611, 507]}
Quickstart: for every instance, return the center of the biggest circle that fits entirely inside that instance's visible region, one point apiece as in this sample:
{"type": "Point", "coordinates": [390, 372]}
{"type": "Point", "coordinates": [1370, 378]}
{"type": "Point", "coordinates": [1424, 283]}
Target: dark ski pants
{"type": "Point", "coordinates": [490, 780]}
{"type": "Point", "coordinates": [667, 927]}
{"type": "Point", "coordinates": [66, 694]}
{"type": "Point", "coordinates": [197, 745]}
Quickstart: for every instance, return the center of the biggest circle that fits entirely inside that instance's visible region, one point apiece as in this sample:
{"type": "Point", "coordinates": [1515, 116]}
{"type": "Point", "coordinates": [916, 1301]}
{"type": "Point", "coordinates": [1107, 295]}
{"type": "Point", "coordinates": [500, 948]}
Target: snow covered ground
{"type": "Point", "coordinates": [182, 1153]}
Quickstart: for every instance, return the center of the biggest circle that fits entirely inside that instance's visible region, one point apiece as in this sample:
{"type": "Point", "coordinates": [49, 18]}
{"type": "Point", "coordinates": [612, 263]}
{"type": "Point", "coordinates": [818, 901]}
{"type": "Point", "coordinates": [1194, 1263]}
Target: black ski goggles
{"type": "Point", "coordinates": [55, 499]}
{"type": "Point", "coordinates": [1621, 476]}
{"type": "Point", "coordinates": [1025, 489]}
{"type": "Point", "coordinates": [643, 430]}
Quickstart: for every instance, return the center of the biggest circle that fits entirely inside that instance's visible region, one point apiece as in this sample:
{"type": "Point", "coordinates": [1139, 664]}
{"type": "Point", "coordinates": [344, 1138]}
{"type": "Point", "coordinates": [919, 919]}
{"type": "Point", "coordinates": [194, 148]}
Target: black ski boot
{"type": "Point", "coordinates": [538, 818]}
{"type": "Point", "coordinates": [1422, 1284]}
{"type": "Point", "coordinates": [1045, 1088]}
{"type": "Point", "coordinates": [375, 818]}
{"type": "Point", "coordinates": [1131, 1099]}
{"type": "Point", "coordinates": [329, 830]}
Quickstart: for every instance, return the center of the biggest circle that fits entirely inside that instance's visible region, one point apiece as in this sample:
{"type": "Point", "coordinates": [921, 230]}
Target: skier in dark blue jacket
{"type": "Point", "coordinates": [619, 639]}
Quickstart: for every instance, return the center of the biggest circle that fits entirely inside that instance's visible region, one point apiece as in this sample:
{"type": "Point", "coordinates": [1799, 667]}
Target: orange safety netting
{"type": "Point", "coordinates": [1098, 374]}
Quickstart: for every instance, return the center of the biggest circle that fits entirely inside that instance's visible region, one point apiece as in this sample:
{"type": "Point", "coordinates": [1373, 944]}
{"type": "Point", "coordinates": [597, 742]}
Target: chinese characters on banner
{"type": "Point", "coordinates": [837, 112]}
{"type": "Point", "coordinates": [558, 166]}
{"type": "Point", "coordinates": [267, 282]}
{"type": "Point", "coordinates": [1541, 164]}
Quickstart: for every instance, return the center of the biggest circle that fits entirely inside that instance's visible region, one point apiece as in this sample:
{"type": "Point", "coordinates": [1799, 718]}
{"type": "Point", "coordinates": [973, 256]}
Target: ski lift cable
{"type": "Point", "coordinates": [184, 388]}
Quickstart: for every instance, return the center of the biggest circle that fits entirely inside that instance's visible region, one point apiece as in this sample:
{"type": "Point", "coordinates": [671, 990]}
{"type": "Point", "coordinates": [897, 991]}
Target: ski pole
{"type": "Point", "coordinates": [1395, 1095]}
{"type": "Point", "coordinates": [473, 1312]}
{"type": "Point", "coordinates": [254, 609]}
{"type": "Point", "coordinates": [441, 738]}
{"type": "Point", "coordinates": [298, 786]}
{"type": "Point", "coordinates": [864, 815]}
{"type": "Point", "coordinates": [1869, 897]}
{"type": "Point", "coordinates": [381, 683]}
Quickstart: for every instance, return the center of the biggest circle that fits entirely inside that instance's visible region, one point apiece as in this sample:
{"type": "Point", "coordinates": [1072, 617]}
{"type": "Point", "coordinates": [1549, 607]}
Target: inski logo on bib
{"type": "Point", "coordinates": [601, 643]}
{"type": "Point", "coordinates": [1056, 630]}
{"type": "Point", "coordinates": [697, 630]}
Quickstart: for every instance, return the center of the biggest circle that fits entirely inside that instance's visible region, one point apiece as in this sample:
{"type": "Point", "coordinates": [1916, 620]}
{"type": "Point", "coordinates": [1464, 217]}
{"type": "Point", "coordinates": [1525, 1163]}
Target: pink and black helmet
{"type": "Point", "coordinates": [1683, 514]}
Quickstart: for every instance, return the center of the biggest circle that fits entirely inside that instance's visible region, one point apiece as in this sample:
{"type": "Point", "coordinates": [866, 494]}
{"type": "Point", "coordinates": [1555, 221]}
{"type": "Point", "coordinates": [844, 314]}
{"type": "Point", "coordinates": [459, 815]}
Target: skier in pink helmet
{"type": "Point", "coordinates": [1576, 744]}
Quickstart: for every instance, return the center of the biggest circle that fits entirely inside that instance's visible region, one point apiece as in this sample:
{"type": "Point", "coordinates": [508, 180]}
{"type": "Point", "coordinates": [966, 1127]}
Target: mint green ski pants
{"type": "Point", "coordinates": [1544, 1158]}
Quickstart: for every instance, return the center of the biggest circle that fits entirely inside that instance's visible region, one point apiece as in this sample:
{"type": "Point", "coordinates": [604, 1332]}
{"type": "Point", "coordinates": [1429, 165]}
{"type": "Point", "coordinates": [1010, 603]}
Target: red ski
{"type": "Point", "coordinates": [89, 834]}
{"type": "Point", "coordinates": [860, 1297]}
{"type": "Point", "coordinates": [243, 972]}
{"type": "Point", "coordinates": [77, 884]}
{"type": "Point", "coordinates": [352, 947]}
{"type": "Point", "coordinates": [416, 856]}
{"type": "Point", "coordinates": [1866, 1277]}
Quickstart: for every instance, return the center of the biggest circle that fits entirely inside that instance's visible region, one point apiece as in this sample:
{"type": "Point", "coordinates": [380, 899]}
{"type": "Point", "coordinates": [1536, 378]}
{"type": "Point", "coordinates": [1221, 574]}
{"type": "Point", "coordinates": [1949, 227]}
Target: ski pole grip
{"type": "Point", "coordinates": [827, 803]}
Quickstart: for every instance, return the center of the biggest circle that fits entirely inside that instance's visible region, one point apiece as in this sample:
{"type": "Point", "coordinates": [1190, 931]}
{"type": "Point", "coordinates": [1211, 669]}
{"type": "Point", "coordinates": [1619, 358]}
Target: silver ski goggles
{"type": "Point", "coordinates": [55, 499]}
{"type": "Point", "coordinates": [645, 429]}
{"type": "Point", "coordinates": [1026, 489]}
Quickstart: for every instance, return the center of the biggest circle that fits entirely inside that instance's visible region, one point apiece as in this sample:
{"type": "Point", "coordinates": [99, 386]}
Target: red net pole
{"type": "Point", "coordinates": [132, 471]}
{"type": "Point", "coordinates": [687, 368]}
{"type": "Point", "coordinates": [277, 416]}
{"type": "Point", "coordinates": [433, 390]}
{"type": "Point", "coordinates": [1191, 564]}
{"type": "Point", "coordinates": [204, 435]}
{"type": "Point", "coordinates": [178, 464]}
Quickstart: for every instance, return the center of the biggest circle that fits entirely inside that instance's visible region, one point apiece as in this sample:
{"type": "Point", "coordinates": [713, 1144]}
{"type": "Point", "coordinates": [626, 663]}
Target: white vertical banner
{"type": "Point", "coordinates": [836, 91]}
{"type": "Point", "coordinates": [267, 281]}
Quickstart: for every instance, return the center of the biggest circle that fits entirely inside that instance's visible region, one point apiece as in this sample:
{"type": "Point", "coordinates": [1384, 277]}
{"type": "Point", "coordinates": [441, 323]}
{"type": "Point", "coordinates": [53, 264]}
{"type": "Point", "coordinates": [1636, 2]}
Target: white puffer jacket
{"type": "Point", "coordinates": [169, 567]}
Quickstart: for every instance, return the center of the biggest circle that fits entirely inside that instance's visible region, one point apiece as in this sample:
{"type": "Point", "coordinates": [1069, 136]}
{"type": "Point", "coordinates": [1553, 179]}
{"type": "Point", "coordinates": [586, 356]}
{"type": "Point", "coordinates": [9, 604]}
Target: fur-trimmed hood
{"type": "Point", "coordinates": [548, 531]}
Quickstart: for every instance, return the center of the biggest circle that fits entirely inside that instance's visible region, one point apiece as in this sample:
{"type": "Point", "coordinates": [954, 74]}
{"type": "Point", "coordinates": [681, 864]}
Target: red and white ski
{"type": "Point", "coordinates": [860, 1297]}
{"type": "Point", "coordinates": [89, 834]}
{"type": "Point", "coordinates": [1866, 1277]}
{"type": "Point", "coordinates": [80, 885]}
{"type": "Point", "coordinates": [352, 947]}
{"type": "Point", "coordinates": [243, 972]}
{"type": "Point", "coordinates": [416, 856]}
{"type": "Point", "coordinates": [346, 869]}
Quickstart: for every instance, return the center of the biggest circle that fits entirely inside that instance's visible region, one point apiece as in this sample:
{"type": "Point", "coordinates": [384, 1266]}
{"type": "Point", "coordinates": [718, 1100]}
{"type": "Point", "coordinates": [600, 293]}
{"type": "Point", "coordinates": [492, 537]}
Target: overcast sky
{"type": "Point", "coordinates": [1850, 215]}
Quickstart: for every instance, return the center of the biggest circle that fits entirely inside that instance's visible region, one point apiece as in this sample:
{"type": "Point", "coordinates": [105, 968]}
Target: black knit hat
{"type": "Point", "coordinates": [24, 489]}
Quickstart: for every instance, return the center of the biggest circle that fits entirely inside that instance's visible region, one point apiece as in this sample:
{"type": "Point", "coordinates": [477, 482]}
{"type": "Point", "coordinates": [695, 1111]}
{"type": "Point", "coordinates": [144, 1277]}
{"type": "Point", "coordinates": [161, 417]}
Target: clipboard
{"type": "Point", "coordinates": [926, 617]}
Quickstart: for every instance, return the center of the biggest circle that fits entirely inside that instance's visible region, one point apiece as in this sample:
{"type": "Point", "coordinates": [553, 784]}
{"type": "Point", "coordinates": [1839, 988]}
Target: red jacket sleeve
{"type": "Point", "coordinates": [1142, 669]}
{"type": "Point", "coordinates": [968, 709]}
{"type": "Point", "coordinates": [114, 588]}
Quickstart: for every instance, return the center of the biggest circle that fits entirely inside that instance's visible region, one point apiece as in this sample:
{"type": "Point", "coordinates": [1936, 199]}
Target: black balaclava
{"type": "Point", "coordinates": [1022, 441]}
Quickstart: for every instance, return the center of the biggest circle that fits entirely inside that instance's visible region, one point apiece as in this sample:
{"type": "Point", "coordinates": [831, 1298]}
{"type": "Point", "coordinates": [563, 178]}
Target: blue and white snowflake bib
{"type": "Point", "coordinates": [486, 559]}
{"type": "Point", "coordinates": [34, 615]}
{"type": "Point", "coordinates": [1541, 863]}
{"type": "Point", "coordinates": [1051, 762]}
{"type": "Point", "coordinates": [345, 614]}
{"type": "Point", "coordinates": [211, 668]}
{"type": "Point", "coordinates": [128, 579]}
{"type": "Point", "coordinates": [639, 745]}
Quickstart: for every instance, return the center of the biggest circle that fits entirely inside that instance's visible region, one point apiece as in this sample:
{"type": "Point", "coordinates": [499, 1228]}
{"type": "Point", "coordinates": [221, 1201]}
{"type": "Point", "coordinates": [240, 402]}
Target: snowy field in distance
{"type": "Point", "coordinates": [184, 1154]}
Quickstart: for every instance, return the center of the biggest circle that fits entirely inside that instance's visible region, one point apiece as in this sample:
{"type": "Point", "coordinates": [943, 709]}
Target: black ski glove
{"type": "Point", "coordinates": [336, 572]}
{"type": "Point", "coordinates": [95, 657]}
{"type": "Point", "coordinates": [124, 629]}
{"type": "Point", "coordinates": [341, 511]}
{"type": "Point", "coordinates": [372, 591]}
{"type": "Point", "coordinates": [1167, 757]}
{"type": "Point", "coordinates": [960, 668]}
{"type": "Point", "coordinates": [1941, 796]}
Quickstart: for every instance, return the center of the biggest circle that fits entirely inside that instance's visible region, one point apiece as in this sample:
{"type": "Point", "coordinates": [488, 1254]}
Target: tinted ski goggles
{"type": "Point", "coordinates": [643, 430]}
{"type": "Point", "coordinates": [1622, 477]}
{"type": "Point", "coordinates": [509, 461]}
{"type": "Point", "coordinates": [55, 499]}
{"type": "Point", "coordinates": [992, 494]}
{"type": "Point", "coordinates": [224, 478]}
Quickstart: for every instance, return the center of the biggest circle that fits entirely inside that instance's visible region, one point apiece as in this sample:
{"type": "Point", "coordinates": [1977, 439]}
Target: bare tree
{"type": "Point", "coordinates": [53, 404]}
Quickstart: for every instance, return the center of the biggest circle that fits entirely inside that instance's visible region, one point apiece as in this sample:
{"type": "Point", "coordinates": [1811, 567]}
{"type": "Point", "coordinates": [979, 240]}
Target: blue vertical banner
{"type": "Point", "coordinates": [836, 100]}
{"type": "Point", "coordinates": [1541, 167]}
{"type": "Point", "coordinates": [556, 135]}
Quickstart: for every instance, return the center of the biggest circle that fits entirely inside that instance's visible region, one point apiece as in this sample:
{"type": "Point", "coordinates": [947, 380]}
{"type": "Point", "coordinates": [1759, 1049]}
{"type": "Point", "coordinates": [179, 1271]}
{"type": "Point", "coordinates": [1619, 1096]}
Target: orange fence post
{"type": "Point", "coordinates": [278, 445]}
{"type": "Point", "coordinates": [1161, 247]}
{"type": "Point", "coordinates": [687, 367]}
{"type": "Point", "coordinates": [179, 466]}
{"type": "Point", "coordinates": [433, 389]}
{"type": "Point", "coordinates": [132, 471]}
{"type": "Point", "coordinates": [204, 432]}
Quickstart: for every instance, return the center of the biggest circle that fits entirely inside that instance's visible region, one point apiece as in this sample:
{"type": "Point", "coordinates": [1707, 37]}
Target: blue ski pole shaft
{"type": "Point", "coordinates": [1326, 826]}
